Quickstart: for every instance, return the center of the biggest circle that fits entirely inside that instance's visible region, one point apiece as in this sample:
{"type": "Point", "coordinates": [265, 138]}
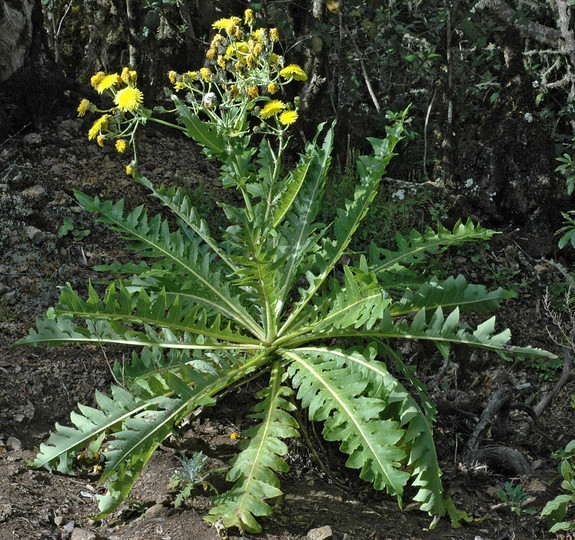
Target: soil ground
{"type": "Point", "coordinates": [40, 386]}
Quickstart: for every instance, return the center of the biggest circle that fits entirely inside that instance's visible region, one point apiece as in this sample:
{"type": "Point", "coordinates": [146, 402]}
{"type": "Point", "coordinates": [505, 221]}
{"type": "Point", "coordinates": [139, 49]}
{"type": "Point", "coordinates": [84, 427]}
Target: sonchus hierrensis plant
{"type": "Point", "coordinates": [276, 298]}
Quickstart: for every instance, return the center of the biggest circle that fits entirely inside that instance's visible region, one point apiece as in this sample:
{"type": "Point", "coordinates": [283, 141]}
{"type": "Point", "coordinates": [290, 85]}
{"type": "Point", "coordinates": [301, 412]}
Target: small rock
{"type": "Point", "coordinates": [58, 520]}
{"type": "Point", "coordinates": [36, 191]}
{"type": "Point", "coordinates": [82, 534]}
{"type": "Point", "coordinates": [14, 444]}
{"type": "Point", "coordinates": [66, 127]}
{"type": "Point", "coordinates": [11, 298]}
{"type": "Point", "coordinates": [321, 533]}
{"type": "Point", "coordinates": [35, 234]}
{"type": "Point", "coordinates": [33, 139]}
{"type": "Point", "coordinates": [57, 169]}
{"type": "Point", "coordinates": [156, 512]}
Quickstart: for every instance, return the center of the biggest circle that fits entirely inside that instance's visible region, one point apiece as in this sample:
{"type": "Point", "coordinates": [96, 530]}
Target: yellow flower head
{"type": "Point", "coordinates": [234, 91]}
{"type": "Point", "coordinates": [229, 25]}
{"type": "Point", "coordinates": [98, 126]}
{"type": "Point", "coordinates": [274, 34]}
{"type": "Point", "coordinates": [109, 81]}
{"type": "Point", "coordinates": [272, 108]}
{"type": "Point", "coordinates": [129, 99]}
{"type": "Point", "coordinates": [260, 34]}
{"type": "Point", "coordinates": [95, 80]}
{"type": "Point", "coordinates": [216, 40]}
{"type": "Point", "coordinates": [276, 59]}
{"type": "Point", "coordinates": [190, 76]}
{"type": "Point", "coordinates": [129, 76]}
{"type": "Point", "coordinates": [210, 55]}
{"type": "Point", "coordinates": [249, 17]}
{"type": "Point", "coordinates": [253, 92]}
{"type": "Point", "coordinates": [172, 75]}
{"type": "Point", "coordinates": [100, 140]}
{"type": "Point", "coordinates": [131, 169]}
{"type": "Point", "coordinates": [287, 118]}
{"type": "Point", "coordinates": [221, 62]}
{"type": "Point", "coordinates": [121, 145]}
{"type": "Point", "coordinates": [206, 74]}
{"type": "Point", "coordinates": [272, 88]}
{"type": "Point", "coordinates": [84, 107]}
{"type": "Point", "coordinates": [293, 71]}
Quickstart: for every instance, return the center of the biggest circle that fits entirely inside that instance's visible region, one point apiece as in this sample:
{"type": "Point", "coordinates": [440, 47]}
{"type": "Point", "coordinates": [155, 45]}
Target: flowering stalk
{"type": "Point", "coordinates": [244, 76]}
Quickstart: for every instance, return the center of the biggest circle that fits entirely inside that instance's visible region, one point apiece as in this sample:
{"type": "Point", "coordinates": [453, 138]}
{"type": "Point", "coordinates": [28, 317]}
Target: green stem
{"type": "Point", "coordinates": [169, 124]}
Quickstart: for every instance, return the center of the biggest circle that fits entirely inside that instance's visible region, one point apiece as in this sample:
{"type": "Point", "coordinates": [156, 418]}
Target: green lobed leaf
{"type": "Point", "coordinates": [413, 248]}
{"type": "Point", "coordinates": [338, 395]}
{"type": "Point", "coordinates": [196, 271]}
{"type": "Point", "coordinates": [203, 133]}
{"type": "Point", "coordinates": [254, 468]}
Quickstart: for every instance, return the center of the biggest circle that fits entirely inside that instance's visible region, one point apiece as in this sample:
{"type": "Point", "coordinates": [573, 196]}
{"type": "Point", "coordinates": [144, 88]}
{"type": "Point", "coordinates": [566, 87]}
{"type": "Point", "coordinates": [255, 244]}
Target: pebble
{"type": "Point", "coordinates": [321, 533]}
{"type": "Point", "coordinates": [14, 444]}
{"type": "Point", "coordinates": [82, 534]}
{"type": "Point", "coordinates": [36, 235]}
{"type": "Point", "coordinates": [158, 511]}
{"type": "Point", "coordinates": [33, 139]}
{"type": "Point", "coordinates": [36, 191]}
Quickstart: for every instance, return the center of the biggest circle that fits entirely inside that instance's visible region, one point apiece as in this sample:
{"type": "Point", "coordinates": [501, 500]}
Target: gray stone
{"type": "Point", "coordinates": [82, 534]}
{"type": "Point", "coordinates": [36, 235]}
{"type": "Point", "coordinates": [33, 139]}
{"type": "Point", "coordinates": [36, 191]}
{"type": "Point", "coordinates": [156, 512]}
{"type": "Point", "coordinates": [14, 444]}
{"type": "Point", "coordinates": [321, 533]}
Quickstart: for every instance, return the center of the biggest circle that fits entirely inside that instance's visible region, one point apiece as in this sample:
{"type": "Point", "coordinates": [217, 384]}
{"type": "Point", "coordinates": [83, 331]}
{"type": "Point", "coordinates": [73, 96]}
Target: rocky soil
{"type": "Point", "coordinates": [39, 169]}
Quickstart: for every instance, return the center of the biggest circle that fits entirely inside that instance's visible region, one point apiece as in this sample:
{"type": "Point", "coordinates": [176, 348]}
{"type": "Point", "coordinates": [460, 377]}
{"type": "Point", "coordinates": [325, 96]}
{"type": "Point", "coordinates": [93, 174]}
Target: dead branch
{"type": "Point", "coordinates": [565, 376]}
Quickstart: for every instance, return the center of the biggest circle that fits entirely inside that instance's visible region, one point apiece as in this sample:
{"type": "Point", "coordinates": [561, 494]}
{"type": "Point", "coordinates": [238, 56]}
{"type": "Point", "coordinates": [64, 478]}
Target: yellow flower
{"type": "Point", "coordinates": [235, 435]}
{"type": "Point", "coordinates": [211, 53]}
{"type": "Point", "coordinates": [95, 80]}
{"type": "Point", "coordinates": [258, 49]}
{"type": "Point", "coordinates": [237, 49]}
{"type": "Point", "coordinates": [100, 140]}
{"type": "Point", "coordinates": [97, 127]}
{"type": "Point", "coordinates": [129, 76]}
{"type": "Point", "coordinates": [249, 17]}
{"type": "Point", "coordinates": [287, 118]}
{"type": "Point", "coordinates": [260, 34]}
{"type": "Point", "coordinates": [121, 145]}
{"type": "Point", "coordinates": [193, 76]}
{"type": "Point", "coordinates": [274, 34]}
{"type": "Point", "coordinates": [84, 107]}
{"type": "Point", "coordinates": [109, 81]}
{"type": "Point", "coordinates": [216, 40]}
{"type": "Point", "coordinates": [234, 91]}
{"type": "Point", "coordinates": [172, 76]}
{"type": "Point", "coordinates": [293, 71]}
{"type": "Point", "coordinates": [222, 24]}
{"type": "Point", "coordinates": [253, 92]}
{"type": "Point", "coordinates": [131, 169]}
{"type": "Point", "coordinates": [221, 62]}
{"type": "Point", "coordinates": [272, 88]}
{"type": "Point", "coordinates": [206, 74]}
{"type": "Point", "coordinates": [128, 99]}
{"type": "Point", "coordinates": [229, 25]}
{"type": "Point", "coordinates": [272, 108]}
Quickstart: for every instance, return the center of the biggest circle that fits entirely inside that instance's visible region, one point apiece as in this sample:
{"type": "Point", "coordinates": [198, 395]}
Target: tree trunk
{"type": "Point", "coordinates": [31, 84]}
{"type": "Point", "coordinates": [509, 175]}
